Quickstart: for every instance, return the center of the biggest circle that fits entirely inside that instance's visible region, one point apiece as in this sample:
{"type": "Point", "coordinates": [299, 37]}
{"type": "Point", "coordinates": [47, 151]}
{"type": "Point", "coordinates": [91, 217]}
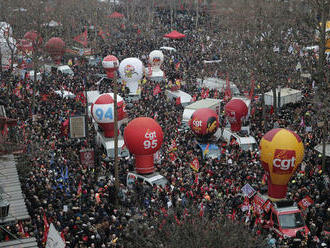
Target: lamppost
{"type": "Point", "coordinates": [4, 206]}
{"type": "Point", "coordinates": [110, 64]}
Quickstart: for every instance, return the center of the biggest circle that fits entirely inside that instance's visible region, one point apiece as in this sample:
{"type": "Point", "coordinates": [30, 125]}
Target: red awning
{"type": "Point", "coordinates": [116, 15]}
{"type": "Point", "coordinates": [174, 35]}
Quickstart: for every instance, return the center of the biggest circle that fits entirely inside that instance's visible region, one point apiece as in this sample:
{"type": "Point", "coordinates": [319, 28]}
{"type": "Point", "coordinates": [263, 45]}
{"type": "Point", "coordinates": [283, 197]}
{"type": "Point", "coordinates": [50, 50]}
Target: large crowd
{"type": "Point", "coordinates": [89, 217]}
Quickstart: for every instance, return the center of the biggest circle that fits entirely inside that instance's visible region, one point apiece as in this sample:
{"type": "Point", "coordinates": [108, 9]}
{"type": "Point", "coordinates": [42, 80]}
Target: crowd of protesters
{"type": "Point", "coordinates": [80, 201]}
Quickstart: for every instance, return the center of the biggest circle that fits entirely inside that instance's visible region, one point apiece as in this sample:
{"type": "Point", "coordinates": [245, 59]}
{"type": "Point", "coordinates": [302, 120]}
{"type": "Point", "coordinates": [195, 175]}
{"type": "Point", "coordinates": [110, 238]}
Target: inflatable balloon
{"type": "Point", "coordinates": [235, 111]}
{"type": "Point", "coordinates": [281, 151]}
{"type": "Point", "coordinates": [156, 58]}
{"type": "Point", "coordinates": [103, 112]}
{"type": "Point", "coordinates": [110, 64]}
{"type": "Point", "coordinates": [34, 37]}
{"type": "Point", "coordinates": [131, 71]}
{"type": "Point", "coordinates": [204, 122]}
{"type": "Point", "coordinates": [143, 137]}
{"type": "Point", "coordinates": [56, 48]}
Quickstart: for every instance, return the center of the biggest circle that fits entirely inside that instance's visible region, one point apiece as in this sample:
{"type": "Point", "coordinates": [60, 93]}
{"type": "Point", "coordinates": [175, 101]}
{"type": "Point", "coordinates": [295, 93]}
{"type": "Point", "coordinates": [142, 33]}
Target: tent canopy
{"type": "Point", "coordinates": [116, 15]}
{"type": "Point", "coordinates": [174, 35]}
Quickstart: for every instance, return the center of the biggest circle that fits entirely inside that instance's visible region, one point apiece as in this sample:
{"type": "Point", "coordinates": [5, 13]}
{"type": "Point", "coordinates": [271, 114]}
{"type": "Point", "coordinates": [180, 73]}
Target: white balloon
{"type": "Point", "coordinates": [131, 69]}
{"type": "Point", "coordinates": [156, 58]}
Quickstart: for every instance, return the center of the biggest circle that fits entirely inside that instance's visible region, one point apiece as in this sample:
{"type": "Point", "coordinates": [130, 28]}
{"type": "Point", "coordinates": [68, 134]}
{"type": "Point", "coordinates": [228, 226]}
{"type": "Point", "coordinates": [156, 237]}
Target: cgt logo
{"type": "Point", "coordinates": [197, 123]}
{"type": "Point", "coordinates": [284, 161]}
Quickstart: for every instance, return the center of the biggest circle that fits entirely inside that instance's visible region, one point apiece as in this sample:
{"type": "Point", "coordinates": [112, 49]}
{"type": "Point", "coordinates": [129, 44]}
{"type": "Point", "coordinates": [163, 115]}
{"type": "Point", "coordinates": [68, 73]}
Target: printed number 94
{"type": "Point", "coordinates": [108, 114]}
{"type": "Point", "coordinates": [147, 144]}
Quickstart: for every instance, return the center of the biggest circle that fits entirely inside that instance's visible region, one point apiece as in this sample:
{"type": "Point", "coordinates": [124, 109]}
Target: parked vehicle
{"type": "Point", "coordinates": [245, 142]}
{"type": "Point", "coordinates": [214, 104]}
{"type": "Point", "coordinates": [283, 96]}
{"type": "Point", "coordinates": [151, 179]}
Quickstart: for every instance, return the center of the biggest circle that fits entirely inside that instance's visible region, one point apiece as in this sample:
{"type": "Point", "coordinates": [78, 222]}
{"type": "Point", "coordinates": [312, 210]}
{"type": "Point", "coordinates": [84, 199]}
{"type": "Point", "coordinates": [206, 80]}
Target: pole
{"type": "Point", "coordinates": [116, 135]}
{"type": "Point", "coordinates": [324, 141]}
{"type": "Point", "coordinates": [196, 13]}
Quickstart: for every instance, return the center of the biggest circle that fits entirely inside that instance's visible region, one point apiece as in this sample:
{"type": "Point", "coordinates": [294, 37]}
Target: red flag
{"type": "Point", "coordinates": [101, 33]}
{"type": "Point", "coordinates": [227, 90]}
{"type": "Point", "coordinates": [178, 100]}
{"type": "Point", "coordinates": [65, 128]}
{"type": "Point", "coordinates": [63, 235]}
{"type": "Point", "coordinates": [253, 111]}
{"type": "Point", "coordinates": [173, 146]}
{"type": "Point", "coordinates": [177, 220]}
{"type": "Point", "coordinates": [46, 228]}
{"type": "Point", "coordinates": [215, 96]}
{"type": "Point", "coordinates": [203, 94]}
{"type": "Point", "coordinates": [17, 92]}
{"type": "Point", "coordinates": [172, 156]}
{"type": "Point", "coordinates": [164, 211]}
{"type": "Point", "coordinates": [196, 181]}
{"type": "Point", "coordinates": [4, 131]}
{"type": "Point", "coordinates": [195, 164]}
{"type": "Point", "coordinates": [201, 211]}
{"type": "Point", "coordinates": [233, 215]}
{"type": "Point", "coordinates": [252, 88]}
{"type": "Point", "coordinates": [44, 97]}
{"type": "Point", "coordinates": [82, 38]}
{"type": "Point", "coordinates": [177, 66]}
{"type": "Point", "coordinates": [305, 202]}
{"type": "Point", "coordinates": [157, 90]}
{"type": "Point", "coordinates": [80, 97]}
{"type": "Point", "coordinates": [79, 190]}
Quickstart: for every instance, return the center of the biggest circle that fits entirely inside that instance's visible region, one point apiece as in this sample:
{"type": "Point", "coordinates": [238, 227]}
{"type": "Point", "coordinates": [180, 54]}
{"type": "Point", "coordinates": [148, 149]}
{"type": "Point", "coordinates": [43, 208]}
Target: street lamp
{"type": "Point", "coordinates": [110, 64]}
{"type": "Point", "coordinates": [4, 206]}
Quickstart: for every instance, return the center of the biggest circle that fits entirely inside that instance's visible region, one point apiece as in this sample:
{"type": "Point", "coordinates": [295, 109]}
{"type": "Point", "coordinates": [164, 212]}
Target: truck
{"type": "Point", "coordinates": [184, 97]}
{"type": "Point", "coordinates": [245, 141]}
{"type": "Point", "coordinates": [283, 96]}
{"type": "Point", "coordinates": [210, 103]}
{"type": "Point", "coordinates": [282, 217]}
{"type": "Point", "coordinates": [106, 144]}
{"type": "Point", "coordinates": [286, 219]}
{"type": "Point", "coordinates": [151, 179]}
{"type": "Point", "coordinates": [219, 84]}
{"type": "Point", "coordinates": [63, 69]}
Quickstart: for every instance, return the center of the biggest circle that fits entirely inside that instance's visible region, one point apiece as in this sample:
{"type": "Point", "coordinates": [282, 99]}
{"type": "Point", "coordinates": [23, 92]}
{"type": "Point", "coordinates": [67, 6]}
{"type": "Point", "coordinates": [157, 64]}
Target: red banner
{"type": "Point", "coordinates": [87, 157]}
{"type": "Point", "coordinates": [267, 206]}
{"type": "Point", "coordinates": [195, 164]}
{"type": "Point", "coordinates": [258, 203]}
{"type": "Point", "coordinates": [306, 202]}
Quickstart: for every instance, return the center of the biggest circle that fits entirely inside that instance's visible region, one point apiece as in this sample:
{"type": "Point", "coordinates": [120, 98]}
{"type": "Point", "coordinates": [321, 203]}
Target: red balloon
{"type": "Point", "coordinates": [110, 64]}
{"type": "Point", "coordinates": [103, 112]}
{"type": "Point", "coordinates": [56, 48]}
{"type": "Point", "coordinates": [235, 111]}
{"type": "Point", "coordinates": [25, 45]}
{"type": "Point", "coordinates": [143, 137]}
{"type": "Point", "coordinates": [204, 122]}
{"type": "Point", "coordinates": [34, 37]}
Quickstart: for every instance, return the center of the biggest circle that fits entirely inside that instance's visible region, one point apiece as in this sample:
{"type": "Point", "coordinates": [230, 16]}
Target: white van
{"type": "Point", "coordinates": [108, 146]}
{"type": "Point", "coordinates": [245, 142]}
{"type": "Point", "coordinates": [151, 179]}
{"type": "Point", "coordinates": [65, 69]}
{"type": "Point", "coordinates": [184, 97]}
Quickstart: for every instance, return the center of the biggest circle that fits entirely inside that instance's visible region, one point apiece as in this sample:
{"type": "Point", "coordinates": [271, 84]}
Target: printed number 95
{"type": "Point", "coordinates": [147, 144]}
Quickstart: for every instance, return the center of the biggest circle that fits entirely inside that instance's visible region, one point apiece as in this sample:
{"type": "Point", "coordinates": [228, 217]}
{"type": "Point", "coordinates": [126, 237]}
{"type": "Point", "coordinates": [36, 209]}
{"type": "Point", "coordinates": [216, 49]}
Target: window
{"type": "Point", "coordinates": [294, 220]}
